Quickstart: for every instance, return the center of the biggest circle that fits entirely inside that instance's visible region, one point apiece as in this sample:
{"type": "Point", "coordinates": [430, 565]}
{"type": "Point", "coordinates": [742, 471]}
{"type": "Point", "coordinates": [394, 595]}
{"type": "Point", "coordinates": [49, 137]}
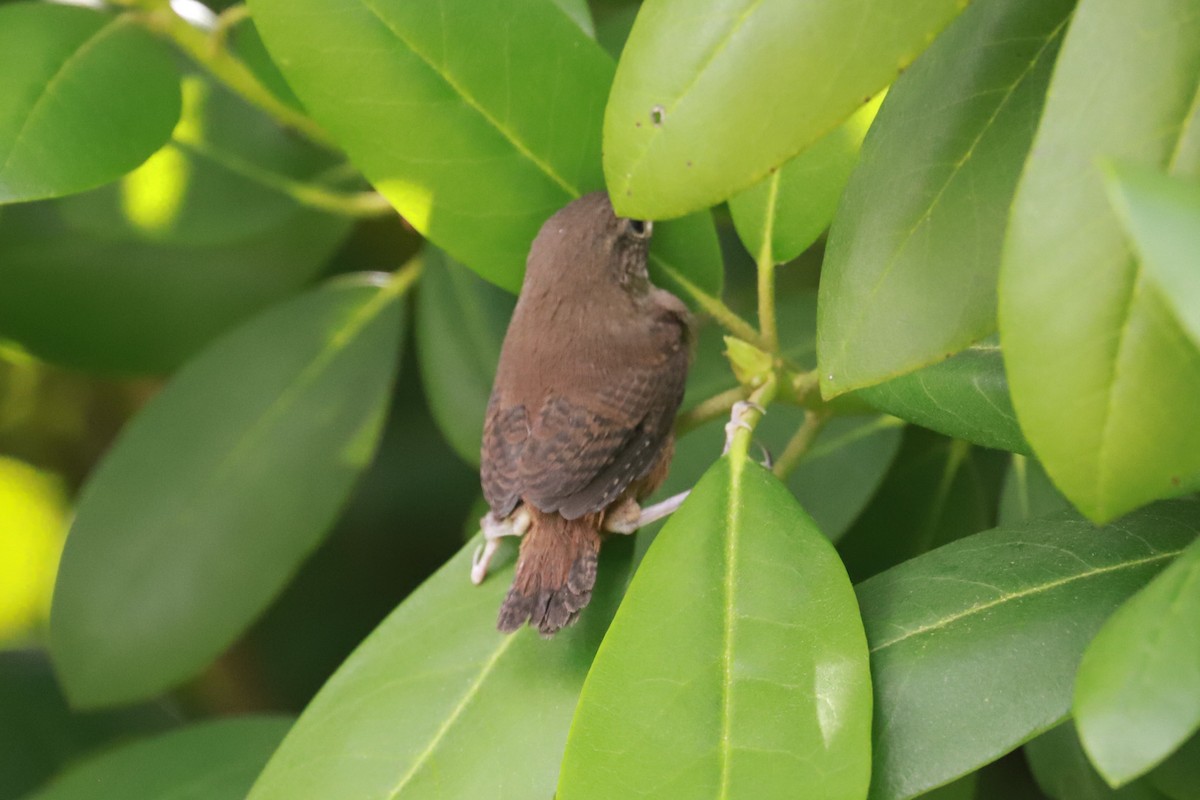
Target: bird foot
{"type": "Point", "coordinates": [737, 420]}
{"type": "Point", "coordinates": [629, 517]}
{"type": "Point", "coordinates": [515, 524]}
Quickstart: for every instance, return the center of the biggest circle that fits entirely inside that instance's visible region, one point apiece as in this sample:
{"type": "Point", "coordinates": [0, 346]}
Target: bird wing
{"type": "Point", "coordinates": [577, 456]}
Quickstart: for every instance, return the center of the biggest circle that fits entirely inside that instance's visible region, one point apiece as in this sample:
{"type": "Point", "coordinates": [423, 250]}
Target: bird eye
{"type": "Point", "coordinates": [639, 228]}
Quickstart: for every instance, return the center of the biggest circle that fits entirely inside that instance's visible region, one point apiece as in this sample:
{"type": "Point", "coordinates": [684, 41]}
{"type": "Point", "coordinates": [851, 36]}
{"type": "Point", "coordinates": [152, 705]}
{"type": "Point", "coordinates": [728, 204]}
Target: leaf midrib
{"type": "Point", "coordinates": [508, 134]}
{"type": "Point", "coordinates": [1031, 591]}
{"type": "Point", "coordinates": [955, 172]}
{"type": "Point", "coordinates": [444, 729]}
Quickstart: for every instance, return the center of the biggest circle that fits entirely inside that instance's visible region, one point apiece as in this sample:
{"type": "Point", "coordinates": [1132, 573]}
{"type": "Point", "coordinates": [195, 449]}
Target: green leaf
{"type": "Point", "coordinates": [1103, 379]}
{"type": "Point", "coordinates": [1063, 772]}
{"type": "Point", "coordinates": [795, 204]}
{"type": "Point", "coordinates": [843, 467]}
{"type": "Point", "coordinates": [84, 98]}
{"type": "Point", "coordinates": [965, 396]}
{"type": "Point", "coordinates": [1137, 694]}
{"type": "Point", "coordinates": [1179, 776]}
{"type": "Point", "coordinates": [477, 119]}
{"type": "Point", "coordinates": [137, 276]}
{"type": "Point", "coordinates": [702, 105]}
{"type": "Point", "coordinates": [40, 734]}
{"type": "Point", "coordinates": [1028, 493]}
{"type": "Point", "coordinates": [735, 666]}
{"type": "Point", "coordinates": [580, 14]}
{"type": "Point", "coordinates": [910, 272]}
{"type": "Point", "coordinates": [936, 491]}
{"type": "Point", "coordinates": [974, 646]}
{"type": "Point", "coordinates": [1162, 217]}
{"type": "Point", "coordinates": [686, 252]}
{"type": "Point", "coordinates": [437, 704]}
{"type": "Point", "coordinates": [219, 488]}
{"type": "Point", "coordinates": [461, 321]}
{"type": "Point", "coordinates": [207, 761]}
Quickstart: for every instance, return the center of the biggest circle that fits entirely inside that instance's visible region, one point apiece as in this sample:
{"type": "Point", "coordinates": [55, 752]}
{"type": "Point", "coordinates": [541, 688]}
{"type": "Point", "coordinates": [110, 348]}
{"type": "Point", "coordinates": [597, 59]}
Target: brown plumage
{"type": "Point", "coordinates": [590, 377]}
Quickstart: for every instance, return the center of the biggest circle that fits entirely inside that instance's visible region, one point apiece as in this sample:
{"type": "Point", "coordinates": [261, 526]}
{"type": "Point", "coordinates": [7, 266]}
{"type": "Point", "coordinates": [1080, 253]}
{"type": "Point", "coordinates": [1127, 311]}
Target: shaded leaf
{"type": "Point", "coordinates": [436, 703]}
{"type": "Point", "coordinates": [137, 276]}
{"type": "Point", "coordinates": [40, 734]}
{"type": "Point", "coordinates": [1179, 776]}
{"type": "Point", "coordinates": [843, 467]}
{"type": "Point", "coordinates": [795, 203]}
{"type": "Point", "coordinates": [1064, 773]}
{"type": "Point", "coordinates": [735, 666]}
{"type": "Point", "coordinates": [1162, 217]}
{"type": "Point", "coordinates": [1001, 614]}
{"type": "Point", "coordinates": [206, 761]}
{"type": "Point", "coordinates": [1103, 379]}
{"type": "Point", "coordinates": [218, 489]}
{"type": "Point", "coordinates": [965, 396]}
{"type": "Point", "coordinates": [687, 248]}
{"type": "Point", "coordinates": [701, 108]}
{"type": "Point", "coordinates": [84, 98]}
{"type": "Point", "coordinates": [1137, 694]}
{"type": "Point", "coordinates": [910, 271]}
{"type": "Point", "coordinates": [937, 490]}
{"type": "Point", "coordinates": [1028, 493]}
{"type": "Point", "coordinates": [461, 321]}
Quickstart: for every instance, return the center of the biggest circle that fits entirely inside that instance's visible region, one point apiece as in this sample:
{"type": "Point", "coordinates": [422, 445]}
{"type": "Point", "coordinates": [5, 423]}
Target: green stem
{"type": "Point", "coordinates": [228, 69]}
{"type": "Point", "coordinates": [713, 306]}
{"type": "Point", "coordinates": [766, 275]}
{"type": "Point", "coordinates": [798, 446]}
{"type": "Point", "coordinates": [739, 448]}
{"type": "Point", "coordinates": [403, 279]}
{"type": "Point", "coordinates": [349, 204]}
{"type": "Point", "coordinates": [707, 410]}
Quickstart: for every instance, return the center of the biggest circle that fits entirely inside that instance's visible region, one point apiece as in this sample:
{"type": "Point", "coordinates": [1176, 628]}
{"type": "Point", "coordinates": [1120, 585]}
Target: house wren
{"type": "Point", "coordinates": [578, 428]}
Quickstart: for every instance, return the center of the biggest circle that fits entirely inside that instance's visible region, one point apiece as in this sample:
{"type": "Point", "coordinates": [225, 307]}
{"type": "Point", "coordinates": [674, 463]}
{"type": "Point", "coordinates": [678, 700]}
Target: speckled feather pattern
{"type": "Point", "coordinates": [590, 377]}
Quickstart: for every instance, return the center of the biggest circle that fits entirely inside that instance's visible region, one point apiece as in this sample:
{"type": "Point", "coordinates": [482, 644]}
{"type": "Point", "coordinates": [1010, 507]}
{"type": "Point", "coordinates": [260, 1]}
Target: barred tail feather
{"type": "Point", "coordinates": [556, 570]}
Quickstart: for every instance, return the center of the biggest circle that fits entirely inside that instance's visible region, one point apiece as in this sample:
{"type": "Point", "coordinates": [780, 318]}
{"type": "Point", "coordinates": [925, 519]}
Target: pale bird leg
{"type": "Point", "coordinates": [737, 419]}
{"type": "Point", "coordinates": [516, 524]}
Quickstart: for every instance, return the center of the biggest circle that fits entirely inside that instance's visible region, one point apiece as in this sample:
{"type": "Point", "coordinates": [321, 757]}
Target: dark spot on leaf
{"type": "Point", "coordinates": [638, 124]}
{"type": "Point", "coordinates": [657, 115]}
{"type": "Point", "coordinates": [1174, 480]}
{"type": "Point", "coordinates": [689, 163]}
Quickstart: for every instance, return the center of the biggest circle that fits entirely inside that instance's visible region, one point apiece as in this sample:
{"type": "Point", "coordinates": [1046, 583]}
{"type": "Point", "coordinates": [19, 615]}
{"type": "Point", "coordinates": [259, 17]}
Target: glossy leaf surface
{"type": "Point", "coordinates": [477, 120]}
{"type": "Point", "coordinates": [910, 271]}
{"type": "Point", "coordinates": [701, 107]}
{"type": "Point", "coordinates": [1162, 218]}
{"type": "Point", "coordinates": [218, 490]}
{"type": "Point", "coordinates": [735, 667]}
{"type": "Point", "coordinates": [437, 704]}
{"type": "Point", "coordinates": [207, 761]}
{"type": "Point", "coordinates": [794, 205]}
{"type": "Point", "coordinates": [1137, 694]}
{"type": "Point", "coordinates": [1103, 378]}
{"type": "Point", "coordinates": [84, 98]}
{"type": "Point", "coordinates": [1002, 614]}
{"type": "Point", "coordinates": [965, 396]}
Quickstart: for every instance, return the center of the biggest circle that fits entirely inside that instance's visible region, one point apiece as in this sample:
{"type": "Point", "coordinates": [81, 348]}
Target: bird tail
{"type": "Point", "coordinates": [556, 570]}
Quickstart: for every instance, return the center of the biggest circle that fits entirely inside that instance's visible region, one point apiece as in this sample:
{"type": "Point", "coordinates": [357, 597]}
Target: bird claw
{"type": "Point", "coordinates": [737, 420]}
{"type": "Point", "coordinates": [494, 530]}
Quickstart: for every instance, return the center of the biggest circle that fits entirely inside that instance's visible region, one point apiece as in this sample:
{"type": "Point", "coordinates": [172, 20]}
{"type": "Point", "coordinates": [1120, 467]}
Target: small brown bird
{"type": "Point", "coordinates": [578, 428]}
